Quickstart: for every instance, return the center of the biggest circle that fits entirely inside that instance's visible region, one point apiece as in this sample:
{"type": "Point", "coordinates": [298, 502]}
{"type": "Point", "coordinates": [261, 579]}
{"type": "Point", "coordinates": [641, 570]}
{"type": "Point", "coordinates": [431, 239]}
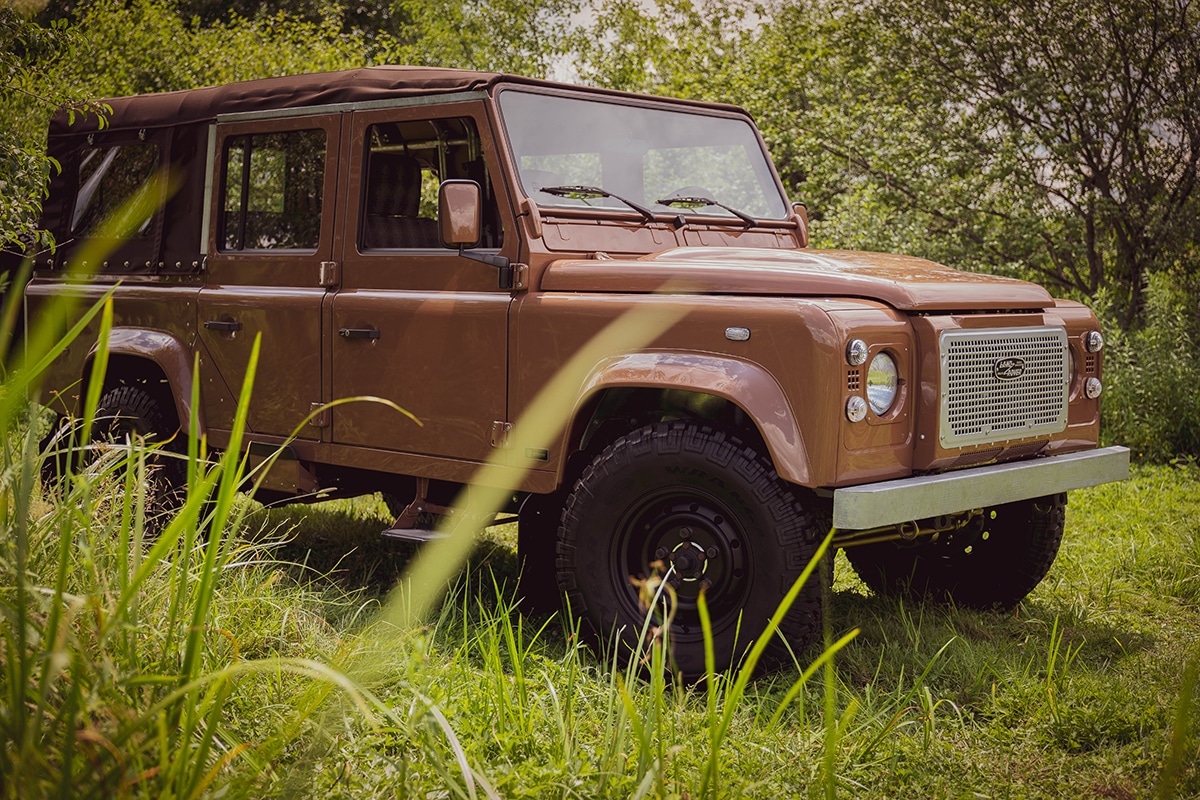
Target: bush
{"type": "Point", "coordinates": [1152, 376]}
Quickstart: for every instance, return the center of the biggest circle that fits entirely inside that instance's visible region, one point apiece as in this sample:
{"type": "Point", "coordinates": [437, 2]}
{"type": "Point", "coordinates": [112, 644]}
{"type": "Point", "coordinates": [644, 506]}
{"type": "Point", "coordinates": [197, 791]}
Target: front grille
{"type": "Point", "coordinates": [1003, 384]}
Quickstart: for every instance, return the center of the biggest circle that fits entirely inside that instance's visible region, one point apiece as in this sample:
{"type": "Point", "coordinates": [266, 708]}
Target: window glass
{"type": "Point", "coordinates": [274, 184]}
{"type": "Point", "coordinates": [645, 153]}
{"type": "Point", "coordinates": [108, 177]}
{"type": "Point", "coordinates": [406, 163]}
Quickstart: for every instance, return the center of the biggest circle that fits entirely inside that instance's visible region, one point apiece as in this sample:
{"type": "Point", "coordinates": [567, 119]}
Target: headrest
{"type": "Point", "coordinates": [393, 185]}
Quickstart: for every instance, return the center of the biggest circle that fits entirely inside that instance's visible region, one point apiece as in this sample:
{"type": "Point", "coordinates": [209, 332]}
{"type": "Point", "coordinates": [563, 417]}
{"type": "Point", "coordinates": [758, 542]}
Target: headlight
{"type": "Point", "coordinates": [883, 381]}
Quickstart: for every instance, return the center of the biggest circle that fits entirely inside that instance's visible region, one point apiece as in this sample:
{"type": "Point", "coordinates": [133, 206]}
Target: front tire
{"type": "Point", "coordinates": [712, 513]}
{"type": "Point", "coordinates": [992, 563]}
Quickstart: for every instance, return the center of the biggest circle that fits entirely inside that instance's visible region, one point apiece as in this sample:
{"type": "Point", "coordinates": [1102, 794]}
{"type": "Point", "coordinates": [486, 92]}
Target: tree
{"type": "Point", "coordinates": [27, 99]}
{"type": "Point", "coordinates": [1058, 138]}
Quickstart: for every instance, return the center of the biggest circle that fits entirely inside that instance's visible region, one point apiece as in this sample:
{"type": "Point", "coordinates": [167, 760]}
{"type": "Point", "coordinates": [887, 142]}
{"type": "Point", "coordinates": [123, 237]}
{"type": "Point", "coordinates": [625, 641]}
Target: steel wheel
{"type": "Point", "coordinates": [697, 507]}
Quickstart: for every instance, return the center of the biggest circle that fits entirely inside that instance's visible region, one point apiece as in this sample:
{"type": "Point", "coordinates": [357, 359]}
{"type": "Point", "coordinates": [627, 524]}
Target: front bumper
{"type": "Point", "coordinates": [876, 505]}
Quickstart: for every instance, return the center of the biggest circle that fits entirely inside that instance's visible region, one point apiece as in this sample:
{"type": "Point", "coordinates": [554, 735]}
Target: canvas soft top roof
{"type": "Point", "coordinates": [293, 91]}
{"type": "Point", "coordinates": [297, 91]}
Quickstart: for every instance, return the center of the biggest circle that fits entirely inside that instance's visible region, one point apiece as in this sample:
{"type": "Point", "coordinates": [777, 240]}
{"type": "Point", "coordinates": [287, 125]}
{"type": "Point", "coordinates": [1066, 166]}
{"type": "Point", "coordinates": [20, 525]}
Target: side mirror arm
{"type": "Point", "coordinates": [501, 263]}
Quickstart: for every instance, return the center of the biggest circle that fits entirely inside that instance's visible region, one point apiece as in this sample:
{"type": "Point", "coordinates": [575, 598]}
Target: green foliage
{"type": "Point", "coordinates": [27, 97]}
{"type": "Point", "coordinates": [526, 37]}
{"type": "Point", "coordinates": [1152, 376]}
{"type": "Point", "coordinates": [1065, 150]}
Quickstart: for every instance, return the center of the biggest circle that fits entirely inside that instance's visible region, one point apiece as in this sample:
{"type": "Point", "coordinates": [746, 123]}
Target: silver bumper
{"type": "Point", "coordinates": [891, 502]}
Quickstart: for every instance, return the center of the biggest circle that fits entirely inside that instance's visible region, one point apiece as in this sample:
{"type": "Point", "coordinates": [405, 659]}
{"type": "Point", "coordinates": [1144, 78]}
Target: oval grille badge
{"type": "Point", "coordinates": [1009, 369]}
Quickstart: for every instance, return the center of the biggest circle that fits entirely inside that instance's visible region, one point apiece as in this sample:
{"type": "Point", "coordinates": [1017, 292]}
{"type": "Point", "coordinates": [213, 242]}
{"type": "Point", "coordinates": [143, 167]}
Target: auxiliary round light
{"type": "Point", "coordinates": [883, 383]}
{"type": "Point", "coordinates": [856, 353]}
{"type": "Point", "coordinates": [1092, 388]}
{"type": "Point", "coordinates": [856, 409]}
{"type": "Point", "coordinates": [1093, 341]}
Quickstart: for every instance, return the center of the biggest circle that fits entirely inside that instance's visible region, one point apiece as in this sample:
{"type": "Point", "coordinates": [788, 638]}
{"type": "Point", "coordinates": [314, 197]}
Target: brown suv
{"type": "Point", "coordinates": [447, 240]}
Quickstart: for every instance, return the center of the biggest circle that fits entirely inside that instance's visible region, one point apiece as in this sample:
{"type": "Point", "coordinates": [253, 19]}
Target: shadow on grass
{"type": "Point", "coordinates": [900, 638]}
{"type": "Point", "coordinates": [340, 543]}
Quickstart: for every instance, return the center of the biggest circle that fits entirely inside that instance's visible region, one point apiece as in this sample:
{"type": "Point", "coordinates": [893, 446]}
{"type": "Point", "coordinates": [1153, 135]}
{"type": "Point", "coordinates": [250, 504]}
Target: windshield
{"type": "Point", "coordinates": [640, 153]}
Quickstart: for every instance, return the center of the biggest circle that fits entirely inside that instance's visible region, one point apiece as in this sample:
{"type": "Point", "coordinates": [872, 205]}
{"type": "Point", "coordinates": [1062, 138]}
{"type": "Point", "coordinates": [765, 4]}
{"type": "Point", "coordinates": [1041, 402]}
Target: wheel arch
{"type": "Point", "coordinates": [153, 358]}
{"type": "Point", "coordinates": [696, 385]}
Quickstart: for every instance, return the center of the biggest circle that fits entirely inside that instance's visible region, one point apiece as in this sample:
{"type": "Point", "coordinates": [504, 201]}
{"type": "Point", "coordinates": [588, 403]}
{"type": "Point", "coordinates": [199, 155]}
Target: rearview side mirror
{"type": "Point", "coordinates": [460, 212]}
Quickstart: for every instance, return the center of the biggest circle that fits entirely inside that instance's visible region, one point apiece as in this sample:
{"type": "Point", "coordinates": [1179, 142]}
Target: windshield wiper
{"type": "Point", "coordinates": [701, 200]}
{"type": "Point", "coordinates": [596, 191]}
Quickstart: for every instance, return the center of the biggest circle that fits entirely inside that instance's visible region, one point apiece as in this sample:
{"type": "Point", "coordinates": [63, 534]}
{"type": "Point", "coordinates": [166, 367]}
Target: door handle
{"type": "Point", "coordinates": [222, 325]}
{"type": "Point", "coordinates": [358, 333]}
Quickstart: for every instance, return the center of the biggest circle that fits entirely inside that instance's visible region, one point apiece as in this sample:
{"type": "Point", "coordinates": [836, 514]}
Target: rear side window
{"type": "Point", "coordinates": [273, 188]}
{"type": "Point", "coordinates": [108, 178]}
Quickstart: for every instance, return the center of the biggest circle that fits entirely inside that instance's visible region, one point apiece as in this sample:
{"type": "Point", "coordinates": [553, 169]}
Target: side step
{"type": "Point", "coordinates": [412, 534]}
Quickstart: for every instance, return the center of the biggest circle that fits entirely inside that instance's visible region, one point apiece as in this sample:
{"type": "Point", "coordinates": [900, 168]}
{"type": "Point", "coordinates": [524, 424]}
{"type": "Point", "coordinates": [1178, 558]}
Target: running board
{"type": "Point", "coordinates": [413, 534]}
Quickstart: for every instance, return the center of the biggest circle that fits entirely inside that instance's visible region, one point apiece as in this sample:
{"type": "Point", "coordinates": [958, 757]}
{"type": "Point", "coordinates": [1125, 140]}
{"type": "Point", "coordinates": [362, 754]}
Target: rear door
{"type": "Point", "coordinates": [269, 263]}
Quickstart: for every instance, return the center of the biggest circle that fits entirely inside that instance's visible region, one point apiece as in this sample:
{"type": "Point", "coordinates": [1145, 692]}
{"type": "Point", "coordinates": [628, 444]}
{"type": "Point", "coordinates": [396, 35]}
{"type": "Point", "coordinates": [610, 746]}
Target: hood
{"type": "Point", "coordinates": [903, 282]}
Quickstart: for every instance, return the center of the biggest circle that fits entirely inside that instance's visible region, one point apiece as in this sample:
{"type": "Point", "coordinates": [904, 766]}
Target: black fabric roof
{"type": "Point", "coordinates": [347, 86]}
{"type": "Point", "coordinates": [297, 91]}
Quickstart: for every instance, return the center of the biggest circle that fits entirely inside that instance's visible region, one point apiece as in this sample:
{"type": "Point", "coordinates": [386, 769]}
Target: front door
{"type": "Point", "coordinates": [268, 258]}
{"type": "Point", "coordinates": [416, 323]}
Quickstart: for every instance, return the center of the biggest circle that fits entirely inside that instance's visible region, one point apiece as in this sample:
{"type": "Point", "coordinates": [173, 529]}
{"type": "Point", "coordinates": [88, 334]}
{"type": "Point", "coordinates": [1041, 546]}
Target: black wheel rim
{"type": "Point", "coordinates": [696, 543]}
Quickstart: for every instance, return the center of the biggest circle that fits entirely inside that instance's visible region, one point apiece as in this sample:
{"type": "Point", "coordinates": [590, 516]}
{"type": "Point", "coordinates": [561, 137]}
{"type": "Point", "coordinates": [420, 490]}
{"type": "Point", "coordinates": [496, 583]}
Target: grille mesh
{"type": "Point", "coordinates": [1005, 384]}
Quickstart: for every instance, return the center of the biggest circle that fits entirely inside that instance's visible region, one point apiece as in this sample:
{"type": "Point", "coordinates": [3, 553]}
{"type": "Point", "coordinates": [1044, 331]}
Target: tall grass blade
{"type": "Point", "coordinates": [1182, 733]}
{"type": "Point", "coordinates": [733, 697]}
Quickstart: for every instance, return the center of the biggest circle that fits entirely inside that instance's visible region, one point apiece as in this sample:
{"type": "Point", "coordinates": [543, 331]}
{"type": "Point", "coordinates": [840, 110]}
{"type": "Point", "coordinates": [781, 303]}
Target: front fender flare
{"type": "Point", "coordinates": [747, 385]}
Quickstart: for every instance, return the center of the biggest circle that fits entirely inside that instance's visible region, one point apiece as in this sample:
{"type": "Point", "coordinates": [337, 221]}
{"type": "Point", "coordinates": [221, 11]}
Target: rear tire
{"type": "Point", "coordinates": [710, 511]}
{"type": "Point", "coordinates": [129, 411]}
{"type": "Point", "coordinates": [993, 563]}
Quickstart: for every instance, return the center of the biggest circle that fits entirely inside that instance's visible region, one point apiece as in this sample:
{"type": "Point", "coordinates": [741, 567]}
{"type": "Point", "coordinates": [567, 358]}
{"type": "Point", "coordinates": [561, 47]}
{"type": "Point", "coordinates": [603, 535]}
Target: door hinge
{"type": "Point", "coordinates": [520, 275]}
{"type": "Point", "coordinates": [328, 275]}
{"type": "Point", "coordinates": [500, 431]}
{"type": "Point", "coordinates": [320, 415]}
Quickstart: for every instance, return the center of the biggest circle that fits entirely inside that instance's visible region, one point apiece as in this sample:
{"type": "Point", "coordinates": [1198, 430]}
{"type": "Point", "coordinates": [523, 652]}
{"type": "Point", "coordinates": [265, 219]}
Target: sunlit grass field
{"type": "Point", "coordinates": [230, 650]}
{"type": "Point", "coordinates": [1080, 692]}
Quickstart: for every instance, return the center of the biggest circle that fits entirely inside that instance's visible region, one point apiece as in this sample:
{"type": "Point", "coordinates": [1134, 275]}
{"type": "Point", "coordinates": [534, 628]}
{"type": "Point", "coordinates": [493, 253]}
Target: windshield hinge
{"type": "Point", "coordinates": [500, 431]}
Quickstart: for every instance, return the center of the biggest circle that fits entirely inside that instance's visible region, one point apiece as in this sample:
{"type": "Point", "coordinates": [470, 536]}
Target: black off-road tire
{"type": "Point", "coordinates": [992, 564]}
{"type": "Point", "coordinates": [130, 410]}
{"type": "Point", "coordinates": [667, 493]}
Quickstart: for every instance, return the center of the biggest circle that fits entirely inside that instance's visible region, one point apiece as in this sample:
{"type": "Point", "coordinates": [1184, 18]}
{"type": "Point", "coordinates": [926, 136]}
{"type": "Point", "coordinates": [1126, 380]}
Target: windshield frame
{"type": "Point", "coordinates": [771, 183]}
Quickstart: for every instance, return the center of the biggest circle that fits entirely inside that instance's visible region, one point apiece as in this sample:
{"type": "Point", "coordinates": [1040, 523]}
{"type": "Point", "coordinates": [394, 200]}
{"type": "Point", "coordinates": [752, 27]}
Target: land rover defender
{"type": "Point", "coordinates": [447, 240]}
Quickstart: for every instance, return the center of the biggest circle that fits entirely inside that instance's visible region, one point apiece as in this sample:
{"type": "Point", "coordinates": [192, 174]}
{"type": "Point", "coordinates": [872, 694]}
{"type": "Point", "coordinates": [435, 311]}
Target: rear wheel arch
{"type": "Point", "coordinates": [155, 361]}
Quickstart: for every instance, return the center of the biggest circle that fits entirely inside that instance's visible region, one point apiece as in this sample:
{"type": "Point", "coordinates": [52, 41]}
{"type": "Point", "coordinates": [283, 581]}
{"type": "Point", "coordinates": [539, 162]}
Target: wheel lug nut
{"type": "Point", "coordinates": [660, 552]}
{"type": "Point", "coordinates": [685, 534]}
{"type": "Point", "coordinates": [711, 552]}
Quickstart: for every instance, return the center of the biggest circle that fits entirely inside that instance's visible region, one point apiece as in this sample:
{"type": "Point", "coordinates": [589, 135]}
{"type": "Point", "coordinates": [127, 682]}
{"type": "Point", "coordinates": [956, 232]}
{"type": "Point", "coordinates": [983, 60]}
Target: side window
{"type": "Point", "coordinates": [273, 187]}
{"type": "Point", "coordinates": [406, 163]}
{"type": "Point", "coordinates": [108, 177]}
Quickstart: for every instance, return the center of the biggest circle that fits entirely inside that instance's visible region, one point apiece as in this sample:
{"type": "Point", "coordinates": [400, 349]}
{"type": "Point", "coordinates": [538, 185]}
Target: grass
{"type": "Point", "coordinates": [1076, 694]}
{"type": "Point", "coordinates": [278, 656]}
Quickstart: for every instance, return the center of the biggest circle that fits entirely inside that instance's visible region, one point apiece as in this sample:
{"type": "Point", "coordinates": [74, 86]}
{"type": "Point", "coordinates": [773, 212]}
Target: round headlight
{"type": "Point", "coordinates": [1093, 388]}
{"type": "Point", "coordinates": [856, 353]}
{"type": "Point", "coordinates": [856, 408]}
{"type": "Point", "coordinates": [883, 381]}
{"type": "Point", "coordinates": [1093, 341]}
